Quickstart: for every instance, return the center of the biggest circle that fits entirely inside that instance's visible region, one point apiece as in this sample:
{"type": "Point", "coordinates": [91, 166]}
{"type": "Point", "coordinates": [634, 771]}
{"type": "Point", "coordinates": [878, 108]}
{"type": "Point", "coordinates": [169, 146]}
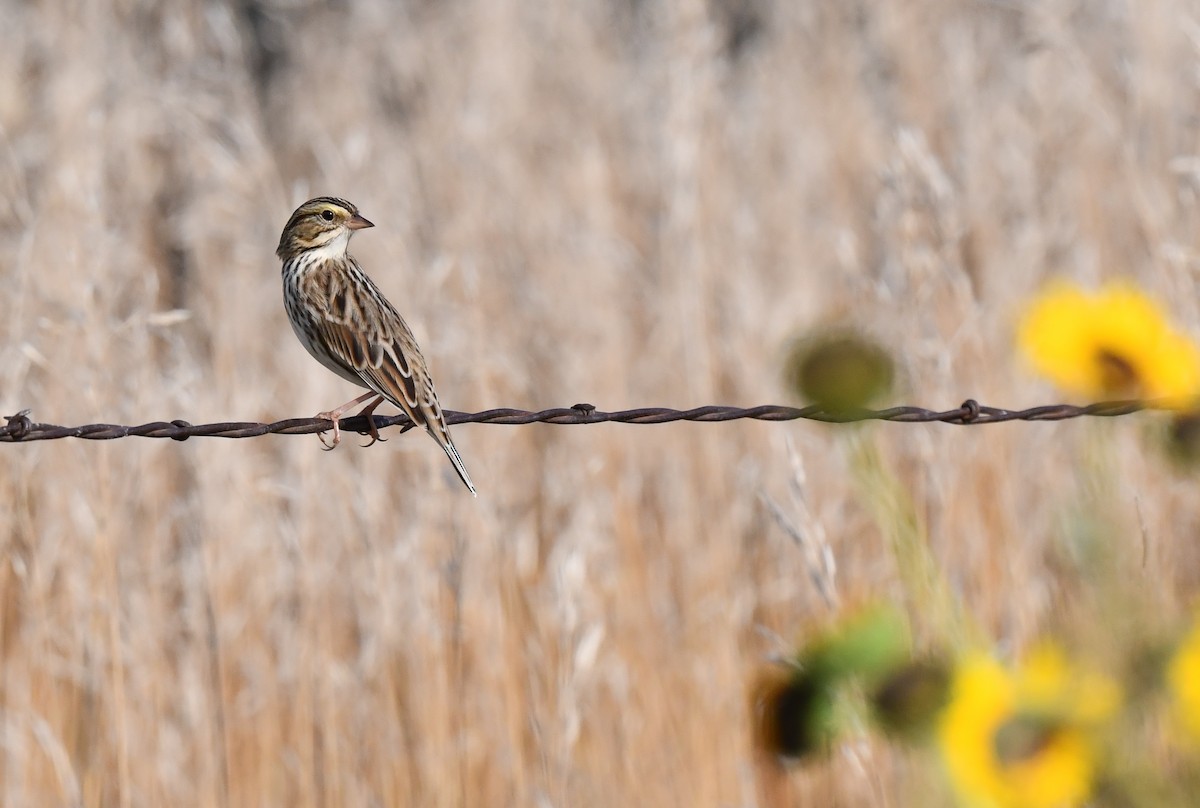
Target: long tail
{"type": "Point", "coordinates": [459, 467]}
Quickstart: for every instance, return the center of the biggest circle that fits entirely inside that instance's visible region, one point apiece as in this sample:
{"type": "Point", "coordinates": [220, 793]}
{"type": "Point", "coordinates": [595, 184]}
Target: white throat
{"type": "Point", "coordinates": [333, 249]}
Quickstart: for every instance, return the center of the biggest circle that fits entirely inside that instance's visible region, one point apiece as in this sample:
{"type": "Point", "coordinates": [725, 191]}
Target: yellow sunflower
{"type": "Point", "coordinates": [1024, 739]}
{"type": "Point", "coordinates": [1114, 343]}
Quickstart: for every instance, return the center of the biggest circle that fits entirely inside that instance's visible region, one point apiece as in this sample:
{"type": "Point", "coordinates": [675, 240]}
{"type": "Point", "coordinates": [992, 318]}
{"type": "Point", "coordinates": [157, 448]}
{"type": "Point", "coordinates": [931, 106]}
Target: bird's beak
{"type": "Point", "coordinates": [358, 223]}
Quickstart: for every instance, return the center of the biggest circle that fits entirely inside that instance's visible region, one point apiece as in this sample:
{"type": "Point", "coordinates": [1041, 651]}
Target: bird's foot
{"type": "Point", "coordinates": [368, 413]}
{"type": "Point", "coordinates": [333, 416]}
{"type": "Point", "coordinates": [336, 414]}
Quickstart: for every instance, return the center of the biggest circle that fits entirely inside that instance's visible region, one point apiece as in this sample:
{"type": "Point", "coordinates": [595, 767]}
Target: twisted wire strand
{"type": "Point", "coordinates": [21, 428]}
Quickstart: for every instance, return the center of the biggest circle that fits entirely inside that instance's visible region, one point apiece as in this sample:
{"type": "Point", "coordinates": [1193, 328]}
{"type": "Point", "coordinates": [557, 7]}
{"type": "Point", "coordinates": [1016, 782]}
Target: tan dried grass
{"type": "Point", "coordinates": [632, 203]}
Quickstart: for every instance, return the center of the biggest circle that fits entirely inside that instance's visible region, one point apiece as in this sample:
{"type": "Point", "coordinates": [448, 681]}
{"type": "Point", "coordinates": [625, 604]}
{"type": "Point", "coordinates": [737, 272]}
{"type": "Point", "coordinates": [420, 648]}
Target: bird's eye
{"type": "Point", "coordinates": [327, 215]}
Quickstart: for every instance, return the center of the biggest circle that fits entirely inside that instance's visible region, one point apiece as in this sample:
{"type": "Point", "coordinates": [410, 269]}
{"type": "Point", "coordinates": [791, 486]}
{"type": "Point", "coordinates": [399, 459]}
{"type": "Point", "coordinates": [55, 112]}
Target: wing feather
{"type": "Point", "coordinates": [369, 338]}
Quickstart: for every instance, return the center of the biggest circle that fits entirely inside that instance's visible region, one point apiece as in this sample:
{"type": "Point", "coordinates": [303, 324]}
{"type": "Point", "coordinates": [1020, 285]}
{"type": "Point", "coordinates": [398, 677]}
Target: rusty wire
{"type": "Point", "coordinates": [21, 428]}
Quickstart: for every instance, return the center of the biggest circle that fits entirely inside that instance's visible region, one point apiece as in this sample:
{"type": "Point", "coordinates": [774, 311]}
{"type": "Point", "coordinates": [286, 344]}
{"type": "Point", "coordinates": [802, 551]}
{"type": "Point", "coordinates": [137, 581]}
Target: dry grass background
{"type": "Point", "coordinates": [628, 203]}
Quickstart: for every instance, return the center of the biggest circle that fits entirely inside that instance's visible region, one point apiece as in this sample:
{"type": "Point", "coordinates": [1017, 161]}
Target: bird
{"type": "Point", "coordinates": [343, 319]}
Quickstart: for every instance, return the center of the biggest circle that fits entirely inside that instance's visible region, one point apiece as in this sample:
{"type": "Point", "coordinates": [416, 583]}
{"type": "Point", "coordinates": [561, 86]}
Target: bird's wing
{"type": "Point", "coordinates": [368, 336]}
{"type": "Point", "coordinates": [364, 335]}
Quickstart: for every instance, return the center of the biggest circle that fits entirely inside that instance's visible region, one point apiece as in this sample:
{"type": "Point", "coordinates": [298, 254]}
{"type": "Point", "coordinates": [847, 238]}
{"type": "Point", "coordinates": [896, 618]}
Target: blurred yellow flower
{"type": "Point", "coordinates": [1113, 343]}
{"type": "Point", "coordinates": [1183, 680]}
{"type": "Point", "coordinates": [1024, 739]}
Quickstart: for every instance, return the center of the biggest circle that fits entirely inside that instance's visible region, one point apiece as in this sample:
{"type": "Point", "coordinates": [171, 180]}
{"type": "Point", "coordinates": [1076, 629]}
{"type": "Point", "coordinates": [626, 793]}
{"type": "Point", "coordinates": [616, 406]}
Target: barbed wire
{"type": "Point", "coordinates": [21, 428]}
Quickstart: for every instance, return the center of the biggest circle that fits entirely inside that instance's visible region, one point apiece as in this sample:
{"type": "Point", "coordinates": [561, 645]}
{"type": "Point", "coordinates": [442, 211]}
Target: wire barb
{"type": "Point", "coordinates": [20, 428]}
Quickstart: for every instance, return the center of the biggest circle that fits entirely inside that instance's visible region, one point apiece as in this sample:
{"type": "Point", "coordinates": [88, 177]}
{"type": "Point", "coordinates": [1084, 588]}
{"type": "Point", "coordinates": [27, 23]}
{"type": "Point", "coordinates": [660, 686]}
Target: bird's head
{"type": "Point", "coordinates": [324, 222]}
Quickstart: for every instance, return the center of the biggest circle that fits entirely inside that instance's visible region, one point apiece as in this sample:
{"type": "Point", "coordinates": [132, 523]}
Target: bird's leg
{"type": "Point", "coordinates": [374, 430]}
{"type": "Point", "coordinates": [335, 415]}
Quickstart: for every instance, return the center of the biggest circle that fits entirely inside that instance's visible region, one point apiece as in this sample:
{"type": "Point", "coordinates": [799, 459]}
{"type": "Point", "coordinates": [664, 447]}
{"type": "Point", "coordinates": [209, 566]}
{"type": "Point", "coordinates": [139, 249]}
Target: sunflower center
{"type": "Point", "coordinates": [1118, 375]}
{"type": "Point", "coordinates": [1023, 737]}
